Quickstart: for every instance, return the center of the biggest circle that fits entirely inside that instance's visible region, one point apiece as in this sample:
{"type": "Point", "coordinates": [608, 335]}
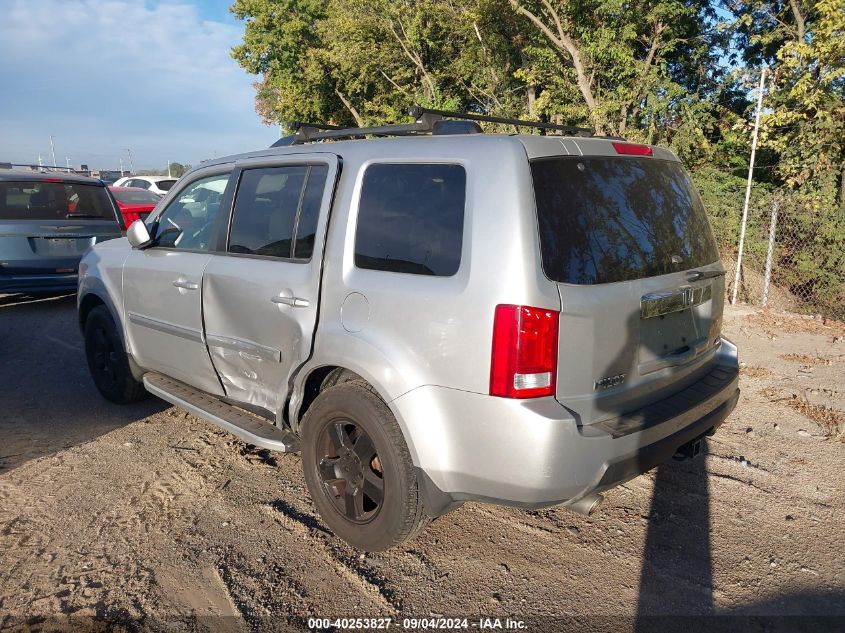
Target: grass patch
{"type": "Point", "coordinates": [776, 323]}
{"type": "Point", "coordinates": [755, 372]}
{"type": "Point", "coordinates": [806, 359]}
{"type": "Point", "coordinates": [831, 421]}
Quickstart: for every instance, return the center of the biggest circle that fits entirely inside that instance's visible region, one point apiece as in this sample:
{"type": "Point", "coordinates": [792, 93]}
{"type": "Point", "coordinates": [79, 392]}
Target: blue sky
{"type": "Point", "coordinates": [104, 76]}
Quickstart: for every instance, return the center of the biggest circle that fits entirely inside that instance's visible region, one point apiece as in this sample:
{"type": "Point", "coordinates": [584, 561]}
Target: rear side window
{"type": "Point", "coordinates": [276, 211]}
{"type": "Point", "coordinates": [136, 196]}
{"type": "Point", "coordinates": [32, 200]}
{"type": "Point", "coordinates": [306, 228]}
{"type": "Point", "coordinates": [165, 185]}
{"type": "Point", "coordinates": [411, 219]}
{"type": "Point", "coordinates": [605, 220]}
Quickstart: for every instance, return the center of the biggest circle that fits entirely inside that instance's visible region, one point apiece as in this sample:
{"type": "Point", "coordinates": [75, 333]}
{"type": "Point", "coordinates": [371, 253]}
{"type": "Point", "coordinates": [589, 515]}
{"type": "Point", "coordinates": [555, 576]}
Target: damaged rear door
{"type": "Point", "coordinates": [260, 297]}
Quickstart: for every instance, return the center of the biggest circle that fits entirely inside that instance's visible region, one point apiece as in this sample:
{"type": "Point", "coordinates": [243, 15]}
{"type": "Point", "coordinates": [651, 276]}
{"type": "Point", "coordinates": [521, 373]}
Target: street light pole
{"type": "Point", "coordinates": [748, 187]}
{"type": "Point", "coordinates": [52, 150]}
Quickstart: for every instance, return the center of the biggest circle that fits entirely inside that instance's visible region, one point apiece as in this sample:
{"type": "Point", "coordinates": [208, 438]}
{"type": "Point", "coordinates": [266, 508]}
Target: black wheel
{"type": "Point", "coordinates": [107, 359]}
{"type": "Point", "coordinates": [358, 469]}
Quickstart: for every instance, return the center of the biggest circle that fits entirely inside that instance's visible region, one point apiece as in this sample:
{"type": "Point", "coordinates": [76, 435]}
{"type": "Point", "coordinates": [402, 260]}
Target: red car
{"type": "Point", "coordinates": [134, 203]}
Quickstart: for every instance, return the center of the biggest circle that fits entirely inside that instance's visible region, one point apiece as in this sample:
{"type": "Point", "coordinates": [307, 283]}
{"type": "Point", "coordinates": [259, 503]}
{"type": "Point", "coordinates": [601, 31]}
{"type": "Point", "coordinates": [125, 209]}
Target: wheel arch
{"type": "Point", "coordinates": [313, 379]}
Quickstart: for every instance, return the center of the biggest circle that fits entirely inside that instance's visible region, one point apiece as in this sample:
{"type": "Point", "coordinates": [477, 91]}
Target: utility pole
{"type": "Point", "coordinates": [131, 166]}
{"type": "Point", "coordinates": [52, 150]}
{"type": "Point", "coordinates": [67, 162]}
{"type": "Point", "coordinates": [39, 161]}
{"type": "Point", "coordinates": [748, 186]}
{"type": "Point", "coordinates": [168, 169]}
{"type": "Point", "coordinates": [121, 166]}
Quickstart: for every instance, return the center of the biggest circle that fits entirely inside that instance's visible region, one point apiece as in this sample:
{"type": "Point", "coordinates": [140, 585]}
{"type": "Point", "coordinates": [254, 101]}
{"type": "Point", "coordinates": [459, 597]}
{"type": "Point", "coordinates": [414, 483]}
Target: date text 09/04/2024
{"type": "Point", "coordinates": [433, 623]}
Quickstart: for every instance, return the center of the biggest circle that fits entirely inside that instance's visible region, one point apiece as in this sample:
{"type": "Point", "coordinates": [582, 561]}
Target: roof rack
{"type": "Point", "coordinates": [426, 121]}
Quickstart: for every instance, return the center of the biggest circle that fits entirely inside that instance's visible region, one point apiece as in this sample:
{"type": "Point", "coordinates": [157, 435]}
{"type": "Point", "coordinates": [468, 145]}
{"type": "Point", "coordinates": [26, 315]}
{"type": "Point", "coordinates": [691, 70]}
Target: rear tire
{"type": "Point", "coordinates": [358, 469]}
{"type": "Point", "coordinates": [107, 360]}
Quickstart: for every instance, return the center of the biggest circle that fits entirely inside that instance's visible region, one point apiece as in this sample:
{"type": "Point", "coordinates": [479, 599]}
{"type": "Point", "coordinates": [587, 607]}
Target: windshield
{"type": "Point", "coordinates": [53, 201]}
{"type": "Point", "coordinates": [135, 196]}
{"type": "Point", "coordinates": [604, 220]}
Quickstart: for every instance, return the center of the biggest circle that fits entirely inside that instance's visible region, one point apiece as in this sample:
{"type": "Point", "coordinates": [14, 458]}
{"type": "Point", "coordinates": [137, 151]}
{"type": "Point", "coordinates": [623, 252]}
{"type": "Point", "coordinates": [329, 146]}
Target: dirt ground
{"type": "Point", "coordinates": [147, 517]}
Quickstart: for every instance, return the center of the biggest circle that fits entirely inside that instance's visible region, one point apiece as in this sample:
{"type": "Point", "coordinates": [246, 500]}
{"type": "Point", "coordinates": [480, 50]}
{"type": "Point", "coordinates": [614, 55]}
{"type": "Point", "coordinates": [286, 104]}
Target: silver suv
{"type": "Point", "coordinates": [523, 320]}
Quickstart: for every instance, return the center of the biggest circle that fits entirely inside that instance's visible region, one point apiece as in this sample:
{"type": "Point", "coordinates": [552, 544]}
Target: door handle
{"type": "Point", "coordinates": [187, 285]}
{"type": "Point", "coordinates": [295, 302]}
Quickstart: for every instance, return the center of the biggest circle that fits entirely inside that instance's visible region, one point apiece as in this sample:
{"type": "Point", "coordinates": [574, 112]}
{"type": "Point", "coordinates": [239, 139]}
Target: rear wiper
{"type": "Point", "coordinates": [695, 275]}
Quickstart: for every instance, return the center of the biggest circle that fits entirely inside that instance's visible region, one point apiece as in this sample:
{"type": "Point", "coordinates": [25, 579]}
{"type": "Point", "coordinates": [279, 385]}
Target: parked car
{"type": "Point", "coordinates": [134, 204]}
{"type": "Point", "coordinates": [159, 185]}
{"type": "Point", "coordinates": [514, 319]}
{"type": "Point", "coordinates": [110, 176]}
{"type": "Point", "coordinates": [47, 222]}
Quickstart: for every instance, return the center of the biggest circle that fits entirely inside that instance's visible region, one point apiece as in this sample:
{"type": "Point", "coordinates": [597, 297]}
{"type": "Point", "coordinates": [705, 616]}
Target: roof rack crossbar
{"type": "Point", "coordinates": [417, 111]}
{"type": "Point", "coordinates": [306, 132]}
{"type": "Point", "coordinates": [425, 119]}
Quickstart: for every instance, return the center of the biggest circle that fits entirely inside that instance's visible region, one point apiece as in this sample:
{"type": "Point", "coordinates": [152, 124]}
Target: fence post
{"type": "Point", "coordinates": [748, 186]}
{"type": "Point", "coordinates": [772, 227]}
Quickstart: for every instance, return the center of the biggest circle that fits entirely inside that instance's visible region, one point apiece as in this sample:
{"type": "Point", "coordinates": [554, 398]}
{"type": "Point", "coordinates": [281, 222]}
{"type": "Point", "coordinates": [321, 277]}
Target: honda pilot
{"type": "Point", "coordinates": [430, 314]}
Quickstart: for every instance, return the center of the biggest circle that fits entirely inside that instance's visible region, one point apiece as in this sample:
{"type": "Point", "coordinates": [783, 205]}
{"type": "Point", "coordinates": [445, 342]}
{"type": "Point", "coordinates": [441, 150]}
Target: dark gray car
{"type": "Point", "coordinates": [47, 222]}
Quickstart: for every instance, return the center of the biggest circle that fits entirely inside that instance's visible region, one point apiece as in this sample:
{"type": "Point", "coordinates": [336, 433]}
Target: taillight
{"type": "Point", "coordinates": [632, 149]}
{"type": "Point", "coordinates": [129, 217]}
{"type": "Point", "coordinates": [524, 359]}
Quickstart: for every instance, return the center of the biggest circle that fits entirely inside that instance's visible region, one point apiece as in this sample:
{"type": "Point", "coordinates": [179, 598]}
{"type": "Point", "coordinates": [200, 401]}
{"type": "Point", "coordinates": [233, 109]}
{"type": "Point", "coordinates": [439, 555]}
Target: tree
{"type": "Point", "coordinates": [614, 67]}
{"type": "Point", "coordinates": [177, 169]}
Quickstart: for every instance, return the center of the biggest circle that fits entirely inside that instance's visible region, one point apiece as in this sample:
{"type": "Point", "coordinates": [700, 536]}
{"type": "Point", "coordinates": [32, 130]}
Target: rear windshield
{"type": "Point", "coordinates": [165, 185]}
{"type": "Point", "coordinates": [136, 196]}
{"type": "Point", "coordinates": [614, 219]}
{"type": "Point", "coordinates": [53, 201]}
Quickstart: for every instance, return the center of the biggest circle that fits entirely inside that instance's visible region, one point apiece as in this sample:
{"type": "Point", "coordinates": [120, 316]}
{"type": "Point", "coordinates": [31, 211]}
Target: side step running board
{"type": "Point", "coordinates": [250, 428]}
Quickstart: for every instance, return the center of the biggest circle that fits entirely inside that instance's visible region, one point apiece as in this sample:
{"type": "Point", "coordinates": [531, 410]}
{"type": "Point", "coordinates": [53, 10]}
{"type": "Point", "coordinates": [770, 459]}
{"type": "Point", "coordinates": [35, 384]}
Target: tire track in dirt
{"type": "Point", "coordinates": [346, 563]}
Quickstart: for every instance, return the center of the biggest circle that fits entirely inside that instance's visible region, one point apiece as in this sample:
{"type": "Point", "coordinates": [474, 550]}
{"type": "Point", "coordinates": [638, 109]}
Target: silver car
{"type": "Point", "coordinates": [517, 319]}
{"type": "Point", "coordinates": [47, 222]}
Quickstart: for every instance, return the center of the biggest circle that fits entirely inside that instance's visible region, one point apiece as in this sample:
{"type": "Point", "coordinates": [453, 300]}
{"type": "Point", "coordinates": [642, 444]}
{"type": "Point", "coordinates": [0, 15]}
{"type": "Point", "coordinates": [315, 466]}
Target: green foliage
{"type": "Point", "coordinates": [177, 169]}
{"type": "Point", "coordinates": [661, 71]}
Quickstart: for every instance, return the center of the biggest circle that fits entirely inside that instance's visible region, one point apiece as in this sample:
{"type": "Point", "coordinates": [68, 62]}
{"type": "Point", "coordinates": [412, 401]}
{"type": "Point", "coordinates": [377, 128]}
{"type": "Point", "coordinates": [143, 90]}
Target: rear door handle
{"type": "Point", "coordinates": [296, 302]}
{"type": "Point", "coordinates": [187, 285]}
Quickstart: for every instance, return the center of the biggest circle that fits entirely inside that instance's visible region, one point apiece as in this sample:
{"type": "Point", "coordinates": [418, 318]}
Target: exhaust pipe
{"type": "Point", "coordinates": [586, 505]}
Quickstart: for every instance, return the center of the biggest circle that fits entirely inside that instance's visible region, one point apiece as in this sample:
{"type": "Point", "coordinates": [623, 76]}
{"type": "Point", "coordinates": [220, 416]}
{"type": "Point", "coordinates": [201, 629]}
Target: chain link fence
{"type": "Point", "coordinates": [793, 257]}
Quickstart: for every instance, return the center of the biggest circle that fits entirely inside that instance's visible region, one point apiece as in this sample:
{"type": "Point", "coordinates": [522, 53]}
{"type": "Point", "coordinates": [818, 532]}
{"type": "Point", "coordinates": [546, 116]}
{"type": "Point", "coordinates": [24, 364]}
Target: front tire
{"type": "Point", "coordinates": [107, 359]}
{"type": "Point", "coordinates": [358, 469]}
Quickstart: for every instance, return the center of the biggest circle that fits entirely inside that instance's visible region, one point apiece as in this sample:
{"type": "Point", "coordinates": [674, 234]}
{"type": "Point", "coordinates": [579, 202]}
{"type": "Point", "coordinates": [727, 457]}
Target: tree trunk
{"type": "Point", "coordinates": [564, 42]}
{"type": "Point", "coordinates": [842, 190]}
{"type": "Point", "coordinates": [348, 104]}
{"type": "Point", "coordinates": [800, 24]}
{"type": "Point", "coordinates": [531, 98]}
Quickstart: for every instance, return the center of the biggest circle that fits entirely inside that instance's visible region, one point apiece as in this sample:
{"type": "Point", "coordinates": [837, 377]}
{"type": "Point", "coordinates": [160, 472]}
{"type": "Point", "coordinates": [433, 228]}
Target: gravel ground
{"type": "Point", "coordinates": [145, 516]}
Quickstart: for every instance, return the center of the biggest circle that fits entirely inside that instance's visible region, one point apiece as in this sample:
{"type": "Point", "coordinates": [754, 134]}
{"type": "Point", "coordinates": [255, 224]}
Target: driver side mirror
{"type": "Point", "coordinates": [138, 235]}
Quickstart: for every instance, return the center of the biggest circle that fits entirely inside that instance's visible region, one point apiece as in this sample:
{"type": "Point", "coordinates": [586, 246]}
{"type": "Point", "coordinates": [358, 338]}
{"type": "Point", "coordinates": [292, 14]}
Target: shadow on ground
{"type": "Point", "coordinates": [47, 399]}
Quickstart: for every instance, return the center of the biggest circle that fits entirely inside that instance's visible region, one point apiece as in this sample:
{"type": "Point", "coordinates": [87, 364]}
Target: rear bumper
{"type": "Point", "coordinates": [533, 453]}
{"type": "Point", "coordinates": [65, 282]}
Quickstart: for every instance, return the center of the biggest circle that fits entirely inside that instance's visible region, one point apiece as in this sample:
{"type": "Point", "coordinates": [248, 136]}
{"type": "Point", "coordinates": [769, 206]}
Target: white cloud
{"type": "Point", "coordinates": [106, 76]}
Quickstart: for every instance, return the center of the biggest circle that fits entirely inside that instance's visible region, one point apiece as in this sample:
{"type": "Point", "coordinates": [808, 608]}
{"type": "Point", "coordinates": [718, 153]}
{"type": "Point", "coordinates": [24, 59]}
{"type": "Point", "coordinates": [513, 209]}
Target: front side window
{"type": "Point", "coordinates": [188, 221]}
{"type": "Point", "coordinates": [276, 211]}
{"type": "Point", "coordinates": [411, 219]}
